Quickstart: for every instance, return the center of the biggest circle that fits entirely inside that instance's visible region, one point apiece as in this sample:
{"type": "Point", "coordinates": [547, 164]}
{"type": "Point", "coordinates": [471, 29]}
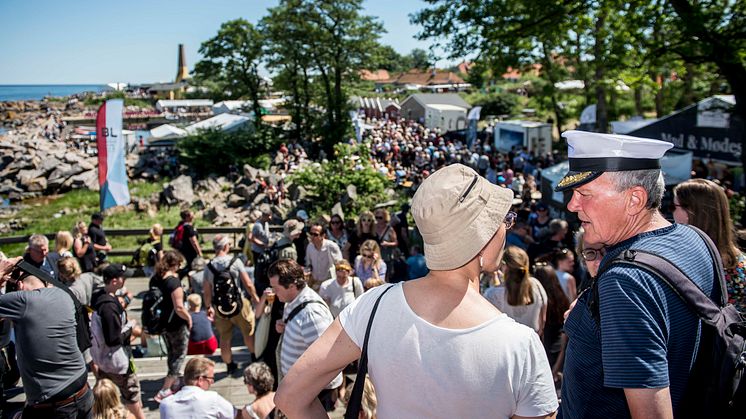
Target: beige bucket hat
{"type": "Point", "coordinates": [458, 212]}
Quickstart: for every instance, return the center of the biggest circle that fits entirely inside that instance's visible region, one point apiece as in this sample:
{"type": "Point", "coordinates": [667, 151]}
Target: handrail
{"type": "Point", "coordinates": [143, 232]}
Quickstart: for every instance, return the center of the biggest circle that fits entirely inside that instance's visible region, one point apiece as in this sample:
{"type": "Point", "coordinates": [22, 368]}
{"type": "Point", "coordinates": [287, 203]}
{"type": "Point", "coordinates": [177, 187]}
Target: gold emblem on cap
{"type": "Point", "coordinates": [571, 179]}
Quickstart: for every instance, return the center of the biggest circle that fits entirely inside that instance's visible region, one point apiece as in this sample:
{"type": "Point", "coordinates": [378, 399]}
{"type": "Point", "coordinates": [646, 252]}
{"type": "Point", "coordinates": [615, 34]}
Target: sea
{"type": "Point", "coordinates": [11, 92]}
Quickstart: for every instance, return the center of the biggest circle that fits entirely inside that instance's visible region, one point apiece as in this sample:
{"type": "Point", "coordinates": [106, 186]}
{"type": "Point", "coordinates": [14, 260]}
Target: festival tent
{"type": "Point", "coordinates": [166, 131]}
{"type": "Point", "coordinates": [223, 122]}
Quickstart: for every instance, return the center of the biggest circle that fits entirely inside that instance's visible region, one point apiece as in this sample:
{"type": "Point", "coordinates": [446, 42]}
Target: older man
{"type": "Point", "coordinates": [194, 400]}
{"type": "Point", "coordinates": [649, 335]}
{"type": "Point", "coordinates": [243, 319]}
{"type": "Point", "coordinates": [36, 254]}
{"type": "Point", "coordinates": [321, 255]}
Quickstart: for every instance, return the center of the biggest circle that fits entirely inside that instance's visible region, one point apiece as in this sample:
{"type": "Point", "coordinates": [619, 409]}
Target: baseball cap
{"type": "Point", "coordinates": [116, 270]}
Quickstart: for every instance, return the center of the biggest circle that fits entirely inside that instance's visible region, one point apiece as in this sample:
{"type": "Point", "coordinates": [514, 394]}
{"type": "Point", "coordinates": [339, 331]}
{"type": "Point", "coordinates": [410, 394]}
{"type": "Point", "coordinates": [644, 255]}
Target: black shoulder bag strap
{"type": "Point", "coordinates": [700, 303]}
{"type": "Point", "coordinates": [356, 398]}
{"type": "Point", "coordinates": [299, 308]}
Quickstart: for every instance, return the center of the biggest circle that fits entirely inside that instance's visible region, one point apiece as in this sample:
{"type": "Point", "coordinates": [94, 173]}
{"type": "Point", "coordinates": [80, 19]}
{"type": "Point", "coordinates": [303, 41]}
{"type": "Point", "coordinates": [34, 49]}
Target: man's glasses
{"type": "Point", "coordinates": [593, 254]}
{"type": "Point", "coordinates": [509, 220]}
{"type": "Point", "coordinates": [211, 379]}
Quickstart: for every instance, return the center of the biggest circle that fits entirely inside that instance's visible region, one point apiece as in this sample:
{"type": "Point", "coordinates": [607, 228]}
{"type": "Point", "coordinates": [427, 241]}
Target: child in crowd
{"type": "Point", "coordinates": [107, 403]}
{"type": "Point", "coordinates": [202, 340]}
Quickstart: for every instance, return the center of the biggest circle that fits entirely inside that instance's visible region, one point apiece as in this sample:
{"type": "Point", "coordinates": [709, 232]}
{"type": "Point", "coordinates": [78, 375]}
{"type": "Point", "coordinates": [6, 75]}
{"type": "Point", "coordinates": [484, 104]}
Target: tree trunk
{"type": "Point", "coordinates": [602, 118]}
{"type": "Point", "coordinates": [638, 100]}
{"type": "Point", "coordinates": [551, 77]}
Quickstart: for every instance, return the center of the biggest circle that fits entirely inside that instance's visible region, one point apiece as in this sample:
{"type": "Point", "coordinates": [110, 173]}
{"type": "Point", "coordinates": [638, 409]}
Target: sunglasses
{"type": "Point", "coordinates": [509, 220]}
{"type": "Point", "coordinates": [593, 254]}
{"type": "Point", "coordinates": [368, 256]}
{"type": "Point", "coordinates": [378, 217]}
{"type": "Point", "coordinates": [336, 222]}
{"type": "Point", "coordinates": [314, 234]}
{"type": "Point", "coordinates": [366, 220]}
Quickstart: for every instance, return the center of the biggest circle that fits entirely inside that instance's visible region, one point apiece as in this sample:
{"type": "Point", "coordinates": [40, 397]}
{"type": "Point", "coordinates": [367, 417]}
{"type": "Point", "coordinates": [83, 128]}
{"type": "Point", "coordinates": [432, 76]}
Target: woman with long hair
{"type": "Point", "coordinates": [703, 204]}
{"type": "Point", "coordinates": [385, 235]}
{"type": "Point", "coordinates": [468, 359]}
{"type": "Point", "coordinates": [521, 296]}
{"type": "Point", "coordinates": [564, 263]}
{"type": "Point", "coordinates": [82, 247]}
{"type": "Point", "coordinates": [557, 304]}
{"type": "Point", "coordinates": [337, 233]}
{"type": "Point", "coordinates": [107, 403]}
{"type": "Point", "coordinates": [179, 322]}
{"type": "Point", "coordinates": [369, 266]}
{"type": "Point", "coordinates": [363, 231]}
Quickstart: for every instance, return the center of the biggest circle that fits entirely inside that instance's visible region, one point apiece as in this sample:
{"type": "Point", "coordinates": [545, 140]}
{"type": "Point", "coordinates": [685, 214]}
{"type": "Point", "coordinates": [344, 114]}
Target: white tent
{"type": "Point", "coordinates": [223, 122]}
{"type": "Point", "coordinates": [228, 106]}
{"type": "Point", "coordinates": [167, 131]}
{"type": "Point", "coordinates": [164, 104]}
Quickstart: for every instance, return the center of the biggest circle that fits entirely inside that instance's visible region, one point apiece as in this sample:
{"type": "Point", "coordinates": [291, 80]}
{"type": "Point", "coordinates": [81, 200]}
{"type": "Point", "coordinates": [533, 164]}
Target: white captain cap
{"type": "Point", "coordinates": [592, 154]}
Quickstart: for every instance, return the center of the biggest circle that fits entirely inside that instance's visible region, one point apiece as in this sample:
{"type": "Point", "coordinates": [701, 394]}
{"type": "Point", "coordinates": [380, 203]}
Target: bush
{"type": "Point", "coordinates": [495, 103]}
{"type": "Point", "coordinates": [215, 151]}
{"type": "Point", "coordinates": [327, 181]}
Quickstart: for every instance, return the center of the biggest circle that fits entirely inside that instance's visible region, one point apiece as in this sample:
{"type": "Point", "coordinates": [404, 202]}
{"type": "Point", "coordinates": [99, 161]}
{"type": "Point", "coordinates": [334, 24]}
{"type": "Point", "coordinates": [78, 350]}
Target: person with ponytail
{"type": "Point", "coordinates": [521, 296]}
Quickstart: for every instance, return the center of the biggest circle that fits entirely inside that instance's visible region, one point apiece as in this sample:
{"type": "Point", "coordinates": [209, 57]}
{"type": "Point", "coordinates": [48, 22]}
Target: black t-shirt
{"type": "Point", "coordinates": [201, 327]}
{"type": "Point", "coordinates": [187, 249]}
{"type": "Point", "coordinates": [97, 234]}
{"type": "Point", "coordinates": [88, 260]}
{"type": "Point", "coordinates": [167, 286]}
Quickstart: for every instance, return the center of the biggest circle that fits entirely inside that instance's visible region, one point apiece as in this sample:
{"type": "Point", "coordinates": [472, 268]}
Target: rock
{"type": "Point", "coordinates": [249, 171]}
{"type": "Point", "coordinates": [49, 164]}
{"type": "Point", "coordinates": [337, 209]}
{"type": "Point", "coordinates": [6, 189]}
{"type": "Point", "coordinates": [235, 201]}
{"type": "Point", "coordinates": [246, 191]}
{"type": "Point", "coordinates": [26, 175]}
{"type": "Point", "coordinates": [85, 180]}
{"type": "Point", "coordinates": [297, 192]}
{"type": "Point", "coordinates": [259, 198]}
{"type": "Point", "coordinates": [212, 214]}
{"type": "Point", "coordinates": [38, 184]}
{"type": "Point", "coordinates": [179, 191]}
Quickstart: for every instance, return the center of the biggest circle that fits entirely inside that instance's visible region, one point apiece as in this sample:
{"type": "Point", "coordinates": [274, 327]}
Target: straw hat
{"type": "Point", "coordinates": [458, 212]}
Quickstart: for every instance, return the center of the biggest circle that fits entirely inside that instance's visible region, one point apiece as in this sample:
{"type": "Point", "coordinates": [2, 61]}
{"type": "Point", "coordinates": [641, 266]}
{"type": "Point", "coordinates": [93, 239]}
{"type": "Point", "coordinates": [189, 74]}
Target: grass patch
{"type": "Point", "coordinates": [60, 212]}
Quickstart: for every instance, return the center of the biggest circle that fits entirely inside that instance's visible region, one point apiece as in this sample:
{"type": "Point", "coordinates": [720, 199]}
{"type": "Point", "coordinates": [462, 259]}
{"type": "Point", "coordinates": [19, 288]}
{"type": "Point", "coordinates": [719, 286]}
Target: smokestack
{"type": "Point", "coordinates": [182, 72]}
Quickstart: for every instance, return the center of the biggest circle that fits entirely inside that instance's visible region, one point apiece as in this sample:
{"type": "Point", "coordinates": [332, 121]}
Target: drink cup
{"type": "Point", "coordinates": [270, 295]}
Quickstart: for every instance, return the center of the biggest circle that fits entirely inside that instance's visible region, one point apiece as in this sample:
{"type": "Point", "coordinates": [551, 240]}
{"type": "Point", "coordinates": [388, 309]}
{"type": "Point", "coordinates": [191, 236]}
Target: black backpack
{"type": "Point", "coordinates": [154, 320]}
{"type": "Point", "coordinates": [715, 387]}
{"type": "Point", "coordinates": [271, 255]}
{"type": "Point", "coordinates": [226, 295]}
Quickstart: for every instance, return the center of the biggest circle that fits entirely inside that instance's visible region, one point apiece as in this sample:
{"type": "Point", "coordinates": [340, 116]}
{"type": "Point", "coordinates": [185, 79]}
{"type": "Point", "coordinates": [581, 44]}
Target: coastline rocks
{"type": "Point", "coordinates": [179, 191]}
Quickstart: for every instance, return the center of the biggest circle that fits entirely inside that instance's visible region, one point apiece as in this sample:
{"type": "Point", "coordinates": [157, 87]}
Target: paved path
{"type": "Point", "coordinates": [152, 370]}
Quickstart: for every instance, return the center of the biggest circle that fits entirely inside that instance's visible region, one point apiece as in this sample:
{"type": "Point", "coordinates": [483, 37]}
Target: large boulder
{"type": "Point", "coordinates": [38, 184]}
{"type": "Point", "coordinates": [85, 180]}
{"type": "Point", "coordinates": [235, 201]}
{"type": "Point", "coordinates": [179, 191]}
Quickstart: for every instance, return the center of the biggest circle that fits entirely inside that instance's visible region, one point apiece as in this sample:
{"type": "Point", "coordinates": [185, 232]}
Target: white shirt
{"type": "Point", "coordinates": [338, 296]}
{"type": "Point", "coordinates": [191, 402]}
{"type": "Point", "coordinates": [322, 260]}
{"type": "Point", "coordinates": [529, 314]}
{"type": "Point", "coordinates": [497, 369]}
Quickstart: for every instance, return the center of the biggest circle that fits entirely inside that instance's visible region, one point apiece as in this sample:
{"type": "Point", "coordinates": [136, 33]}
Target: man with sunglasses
{"type": "Point", "coordinates": [632, 340]}
{"type": "Point", "coordinates": [194, 400]}
{"type": "Point", "coordinates": [321, 255]}
{"type": "Point", "coordinates": [52, 367]}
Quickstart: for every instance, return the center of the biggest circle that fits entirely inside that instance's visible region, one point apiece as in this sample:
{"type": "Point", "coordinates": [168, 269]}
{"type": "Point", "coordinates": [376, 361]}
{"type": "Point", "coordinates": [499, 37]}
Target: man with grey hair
{"type": "Point", "coordinates": [215, 290]}
{"type": "Point", "coordinates": [649, 334]}
{"type": "Point", "coordinates": [36, 254]}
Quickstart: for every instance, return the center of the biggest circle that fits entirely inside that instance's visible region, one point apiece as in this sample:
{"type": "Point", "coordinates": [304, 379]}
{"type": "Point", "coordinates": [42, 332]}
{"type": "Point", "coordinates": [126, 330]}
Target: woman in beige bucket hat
{"type": "Point", "coordinates": [436, 347]}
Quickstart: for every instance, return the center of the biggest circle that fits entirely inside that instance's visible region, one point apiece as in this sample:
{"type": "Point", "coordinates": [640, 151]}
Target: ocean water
{"type": "Point", "coordinates": [10, 92]}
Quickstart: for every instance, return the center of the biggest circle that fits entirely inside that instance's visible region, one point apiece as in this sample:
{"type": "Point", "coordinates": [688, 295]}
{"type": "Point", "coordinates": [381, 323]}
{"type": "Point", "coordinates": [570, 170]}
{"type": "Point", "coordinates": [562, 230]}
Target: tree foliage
{"type": "Point", "coordinates": [231, 61]}
{"type": "Point", "coordinates": [214, 151]}
{"type": "Point", "coordinates": [328, 180]}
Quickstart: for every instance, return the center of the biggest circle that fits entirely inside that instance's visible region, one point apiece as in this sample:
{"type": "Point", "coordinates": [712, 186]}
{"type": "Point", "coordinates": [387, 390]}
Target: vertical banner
{"type": "Point", "coordinates": [112, 173]}
{"type": "Point", "coordinates": [471, 132]}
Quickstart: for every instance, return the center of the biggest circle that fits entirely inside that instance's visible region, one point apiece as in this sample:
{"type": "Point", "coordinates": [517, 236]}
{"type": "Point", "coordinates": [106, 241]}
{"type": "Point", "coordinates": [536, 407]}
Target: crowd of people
{"type": "Point", "coordinates": [507, 306]}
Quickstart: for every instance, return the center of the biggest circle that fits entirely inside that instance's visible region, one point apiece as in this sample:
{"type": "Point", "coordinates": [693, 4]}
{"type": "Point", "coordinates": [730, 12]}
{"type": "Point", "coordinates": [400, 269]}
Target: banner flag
{"type": "Point", "coordinates": [112, 173]}
{"type": "Point", "coordinates": [471, 133]}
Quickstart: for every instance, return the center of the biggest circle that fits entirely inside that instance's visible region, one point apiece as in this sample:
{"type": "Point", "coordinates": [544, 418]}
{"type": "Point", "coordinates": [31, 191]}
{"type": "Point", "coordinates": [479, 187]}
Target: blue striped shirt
{"type": "Point", "coordinates": [649, 335]}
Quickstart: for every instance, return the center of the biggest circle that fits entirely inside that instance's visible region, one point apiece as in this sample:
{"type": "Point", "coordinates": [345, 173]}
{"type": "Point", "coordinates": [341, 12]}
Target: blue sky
{"type": "Point", "coordinates": [84, 41]}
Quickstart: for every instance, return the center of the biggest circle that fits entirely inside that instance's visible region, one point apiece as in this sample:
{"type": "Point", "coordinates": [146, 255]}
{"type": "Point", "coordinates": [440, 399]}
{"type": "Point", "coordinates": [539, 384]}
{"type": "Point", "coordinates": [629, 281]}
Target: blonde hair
{"type": "Point", "coordinates": [69, 269]}
{"type": "Point", "coordinates": [369, 403]}
{"type": "Point", "coordinates": [384, 212]}
{"type": "Point", "coordinates": [343, 264]}
{"type": "Point", "coordinates": [78, 229]}
{"type": "Point", "coordinates": [195, 302]}
{"type": "Point", "coordinates": [359, 225]}
{"type": "Point", "coordinates": [156, 231]}
{"type": "Point", "coordinates": [517, 282]}
{"type": "Point", "coordinates": [63, 241]}
{"type": "Point", "coordinates": [106, 401]}
{"type": "Point", "coordinates": [371, 246]}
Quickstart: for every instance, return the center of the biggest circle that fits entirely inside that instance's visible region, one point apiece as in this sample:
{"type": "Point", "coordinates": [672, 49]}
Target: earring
{"type": "Point", "coordinates": [481, 262]}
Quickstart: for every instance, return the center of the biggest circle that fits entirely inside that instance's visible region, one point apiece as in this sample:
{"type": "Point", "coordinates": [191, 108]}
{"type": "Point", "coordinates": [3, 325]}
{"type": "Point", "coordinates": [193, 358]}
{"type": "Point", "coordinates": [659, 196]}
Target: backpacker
{"type": "Point", "coordinates": [715, 387]}
{"type": "Point", "coordinates": [154, 320]}
{"type": "Point", "coordinates": [176, 240]}
{"type": "Point", "coordinates": [226, 296]}
{"type": "Point", "coordinates": [145, 255]}
{"type": "Point", "coordinates": [272, 254]}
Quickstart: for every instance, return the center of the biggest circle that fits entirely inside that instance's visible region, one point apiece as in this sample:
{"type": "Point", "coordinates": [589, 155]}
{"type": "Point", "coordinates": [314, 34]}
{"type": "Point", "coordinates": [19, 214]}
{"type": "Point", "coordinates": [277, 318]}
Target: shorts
{"type": "Point", "coordinates": [177, 342]}
{"type": "Point", "coordinates": [205, 347]}
{"type": "Point", "coordinates": [245, 321]}
{"type": "Point", "coordinates": [129, 385]}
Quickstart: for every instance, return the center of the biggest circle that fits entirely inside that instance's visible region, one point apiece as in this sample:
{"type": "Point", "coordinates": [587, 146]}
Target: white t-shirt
{"type": "Point", "coordinates": [338, 296]}
{"type": "Point", "coordinates": [528, 315]}
{"type": "Point", "coordinates": [497, 369]}
{"type": "Point", "coordinates": [191, 402]}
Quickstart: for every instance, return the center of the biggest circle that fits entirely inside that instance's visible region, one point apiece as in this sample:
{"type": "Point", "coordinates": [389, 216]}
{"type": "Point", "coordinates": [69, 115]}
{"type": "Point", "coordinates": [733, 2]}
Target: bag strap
{"type": "Point", "coordinates": [299, 308]}
{"type": "Point", "coordinates": [356, 398]}
{"type": "Point", "coordinates": [33, 270]}
{"type": "Point", "coordinates": [354, 288]}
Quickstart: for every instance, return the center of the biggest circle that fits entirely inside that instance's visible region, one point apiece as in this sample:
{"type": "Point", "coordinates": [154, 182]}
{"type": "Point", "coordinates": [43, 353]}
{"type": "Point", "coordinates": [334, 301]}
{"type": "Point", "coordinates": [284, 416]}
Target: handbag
{"type": "Point", "coordinates": [356, 398]}
{"type": "Point", "coordinates": [261, 334]}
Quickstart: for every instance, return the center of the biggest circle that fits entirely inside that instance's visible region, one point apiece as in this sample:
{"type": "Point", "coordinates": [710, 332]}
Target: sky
{"type": "Point", "coordinates": [136, 41]}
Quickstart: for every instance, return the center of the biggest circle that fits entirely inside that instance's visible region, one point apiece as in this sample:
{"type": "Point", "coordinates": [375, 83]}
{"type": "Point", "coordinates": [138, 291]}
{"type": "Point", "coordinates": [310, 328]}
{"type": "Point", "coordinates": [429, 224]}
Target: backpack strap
{"type": "Point", "coordinates": [356, 398]}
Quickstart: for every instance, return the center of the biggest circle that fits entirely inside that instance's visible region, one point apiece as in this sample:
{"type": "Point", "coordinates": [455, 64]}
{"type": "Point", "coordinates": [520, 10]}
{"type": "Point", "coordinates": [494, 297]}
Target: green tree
{"type": "Point", "coordinates": [214, 151]}
{"type": "Point", "coordinates": [232, 59]}
{"type": "Point", "coordinates": [419, 59]}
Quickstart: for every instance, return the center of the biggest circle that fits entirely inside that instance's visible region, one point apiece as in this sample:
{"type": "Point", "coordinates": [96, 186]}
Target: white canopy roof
{"type": "Point", "coordinates": [224, 121]}
{"type": "Point", "coordinates": [186, 103]}
{"type": "Point", "coordinates": [167, 131]}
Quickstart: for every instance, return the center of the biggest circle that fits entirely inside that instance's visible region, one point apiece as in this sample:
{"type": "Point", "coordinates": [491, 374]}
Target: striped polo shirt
{"type": "Point", "coordinates": [648, 337]}
{"type": "Point", "coordinates": [304, 329]}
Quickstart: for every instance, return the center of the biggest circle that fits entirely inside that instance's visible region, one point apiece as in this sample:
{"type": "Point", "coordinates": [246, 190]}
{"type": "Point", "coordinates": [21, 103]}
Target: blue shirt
{"type": "Point", "coordinates": [649, 335]}
{"type": "Point", "coordinates": [417, 268]}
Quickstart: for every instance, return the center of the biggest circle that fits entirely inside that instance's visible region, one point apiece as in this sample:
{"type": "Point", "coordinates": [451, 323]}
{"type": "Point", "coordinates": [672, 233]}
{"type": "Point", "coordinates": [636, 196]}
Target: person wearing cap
{"type": "Point", "coordinates": [436, 347]}
{"type": "Point", "coordinates": [649, 335]}
{"type": "Point", "coordinates": [98, 237]}
{"type": "Point", "coordinates": [111, 332]}
{"type": "Point", "coordinates": [55, 380]}
{"type": "Point", "coordinates": [291, 230]}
